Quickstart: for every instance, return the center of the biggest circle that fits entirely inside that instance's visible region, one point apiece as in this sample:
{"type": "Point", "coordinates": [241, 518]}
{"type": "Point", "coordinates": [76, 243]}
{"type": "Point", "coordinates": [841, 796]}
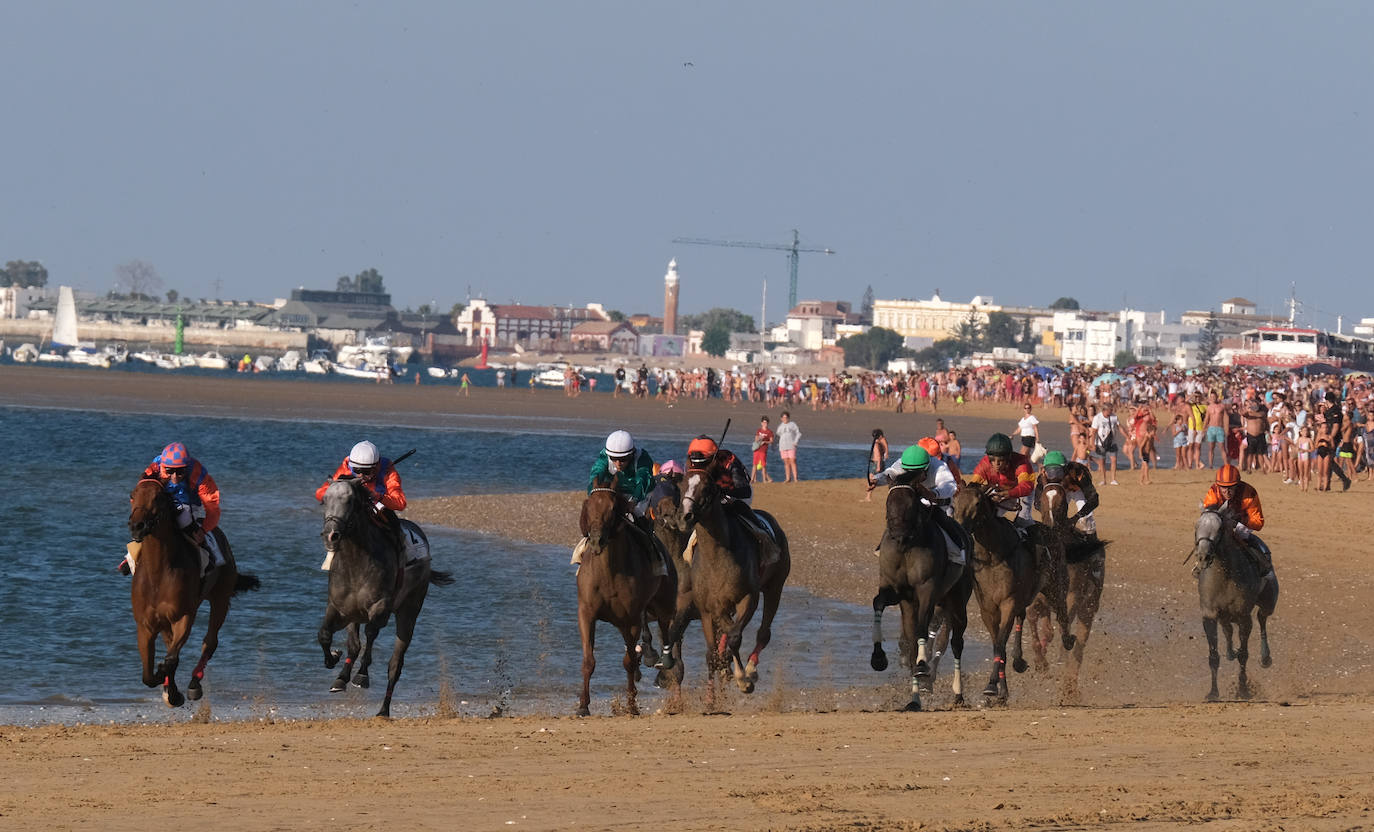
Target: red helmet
{"type": "Point", "coordinates": [931, 446]}
{"type": "Point", "coordinates": [701, 449]}
{"type": "Point", "coordinates": [1228, 475]}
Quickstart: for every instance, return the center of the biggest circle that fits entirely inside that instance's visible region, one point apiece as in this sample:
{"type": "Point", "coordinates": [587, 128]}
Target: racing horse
{"type": "Point", "coordinates": [1229, 588]}
{"type": "Point", "coordinates": [1085, 558]}
{"type": "Point", "coordinates": [914, 570]}
{"type": "Point", "coordinates": [167, 590]}
{"type": "Point", "coordinates": [1006, 577]}
{"type": "Point", "coordinates": [617, 583]}
{"type": "Point", "coordinates": [728, 579]}
{"type": "Point", "coordinates": [368, 583]}
{"type": "Point", "coordinates": [665, 511]}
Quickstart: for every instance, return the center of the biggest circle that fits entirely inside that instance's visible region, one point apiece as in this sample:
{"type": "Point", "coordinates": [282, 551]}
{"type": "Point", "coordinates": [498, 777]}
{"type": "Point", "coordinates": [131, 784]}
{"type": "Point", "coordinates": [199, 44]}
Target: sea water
{"type": "Point", "coordinates": [502, 639]}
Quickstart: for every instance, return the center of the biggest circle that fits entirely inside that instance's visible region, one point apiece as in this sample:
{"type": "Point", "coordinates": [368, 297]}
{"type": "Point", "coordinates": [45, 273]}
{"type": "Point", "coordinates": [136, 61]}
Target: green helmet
{"type": "Point", "coordinates": [999, 444]}
{"type": "Point", "coordinates": [915, 458]}
{"type": "Point", "coordinates": [1054, 458]}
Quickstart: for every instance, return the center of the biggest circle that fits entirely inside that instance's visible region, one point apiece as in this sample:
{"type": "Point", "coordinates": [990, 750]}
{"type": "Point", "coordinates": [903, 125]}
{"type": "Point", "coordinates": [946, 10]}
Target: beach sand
{"type": "Point", "coordinates": [1141, 750]}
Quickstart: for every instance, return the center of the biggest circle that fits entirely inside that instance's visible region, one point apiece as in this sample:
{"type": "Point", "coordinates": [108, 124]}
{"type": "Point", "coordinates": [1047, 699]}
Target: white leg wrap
{"type": "Point", "coordinates": [877, 626]}
{"type": "Point", "coordinates": [958, 682]}
{"type": "Point", "coordinates": [921, 650]}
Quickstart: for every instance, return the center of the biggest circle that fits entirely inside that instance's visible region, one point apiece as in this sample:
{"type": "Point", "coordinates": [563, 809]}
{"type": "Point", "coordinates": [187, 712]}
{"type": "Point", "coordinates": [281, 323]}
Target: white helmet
{"type": "Point", "coordinates": [620, 444]}
{"type": "Point", "coordinates": [363, 454]}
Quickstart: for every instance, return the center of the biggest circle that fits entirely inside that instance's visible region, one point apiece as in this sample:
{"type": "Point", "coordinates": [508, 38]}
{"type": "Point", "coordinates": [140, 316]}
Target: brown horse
{"type": "Point", "coordinates": [1230, 588]}
{"type": "Point", "coordinates": [665, 511]}
{"type": "Point", "coordinates": [1006, 577]}
{"type": "Point", "coordinates": [1085, 558]}
{"type": "Point", "coordinates": [616, 583]}
{"type": "Point", "coordinates": [168, 590]}
{"type": "Point", "coordinates": [914, 571]}
{"type": "Point", "coordinates": [728, 579]}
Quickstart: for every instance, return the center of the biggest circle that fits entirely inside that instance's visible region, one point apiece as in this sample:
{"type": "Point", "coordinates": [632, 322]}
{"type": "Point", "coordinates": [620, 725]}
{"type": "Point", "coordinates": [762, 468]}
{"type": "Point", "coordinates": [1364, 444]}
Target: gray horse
{"type": "Point", "coordinates": [368, 583]}
{"type": "Point", "coordinates": [1229, 588]}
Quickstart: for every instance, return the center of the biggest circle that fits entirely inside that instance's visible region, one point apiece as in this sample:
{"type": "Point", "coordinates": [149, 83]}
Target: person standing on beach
{"type": "Point", "coordinates": [877, 459]}
{"type": "Point", "coordinates": [788, 437]}
{"type": "Point", "coordinates": [463, 384]}
{"type": "Point", "coordinates": [763, 437]}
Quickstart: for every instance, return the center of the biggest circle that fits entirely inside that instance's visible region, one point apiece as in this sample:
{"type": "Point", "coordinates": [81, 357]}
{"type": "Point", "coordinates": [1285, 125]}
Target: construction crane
{"type": "Point", "coordinates": [795, 249]}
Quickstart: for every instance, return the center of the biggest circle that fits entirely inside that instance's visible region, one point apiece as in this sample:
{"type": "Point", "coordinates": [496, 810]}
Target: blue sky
{"type": "Point", "coordinates": [1171, 154]}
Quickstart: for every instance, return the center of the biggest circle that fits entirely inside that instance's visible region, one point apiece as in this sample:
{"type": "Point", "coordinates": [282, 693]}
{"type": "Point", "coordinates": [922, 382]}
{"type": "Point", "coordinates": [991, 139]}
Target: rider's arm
{"type": "Point", "coordinates": [209, 499]}
{"type": "Point", "coordinates": [394, 498]}
{"type": "Point", "coordinates": [1090, 498]}
{"type": "Point", "coordinates": [1254, 515]}
{"type": "Point", "coordinates": [1025, 482]}
{"type": "Point", "coordinates": [886, 477]}
{"type": "Point", "coordinates": [742, 488]}
{"type": "Point", "coordinates": [1212, 498]}
{"type": "Point", "coordinates": [339, 472]}
{"type": "Point", "coordinates": [941, 481]}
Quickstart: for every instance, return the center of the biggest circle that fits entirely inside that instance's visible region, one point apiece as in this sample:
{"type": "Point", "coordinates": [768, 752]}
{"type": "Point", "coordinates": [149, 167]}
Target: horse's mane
{"type": "Point", "coordinates": [902, 522]}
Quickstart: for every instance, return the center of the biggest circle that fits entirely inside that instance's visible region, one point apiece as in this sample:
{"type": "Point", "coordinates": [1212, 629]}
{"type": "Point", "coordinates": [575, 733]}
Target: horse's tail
{"type": "Point", "coordinates": [440, 578]}
{"type": "Point", "coordinates": [246, 583]}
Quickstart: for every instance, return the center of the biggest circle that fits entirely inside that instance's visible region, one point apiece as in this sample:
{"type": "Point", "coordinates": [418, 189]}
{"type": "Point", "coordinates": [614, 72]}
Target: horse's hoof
{"type": "Point", "coordinates": [385, 712]}
{"type": "Point", "coordinates": [1069, 640]}
{"type": "Point", "coordinates": [633, 710]}
{"type": "Point", "coordinates": [879, 660]}
{"type": "Point", "coordinates": [990, 691]}
{"type": "Point", "coordinates": [1019, 665]}
{"type": "Point", "coordinates": [1212, 697]}
{"type": "Point", "coordinates": [333, 658]}
{"type": "Point", "coordinates": [173, 698]}
{"type": "Point", "coordinates": [339, 686]}
{"type": "Point", "coordinates": [1230, 655]}
{"type": "Point", "coordinates": [194, 692]}
{"type": "Point", "coordinates": [1266, 661]}
{"type": "Point", "coordinates": [751, 672]}
{"type": "Point", "coordinates": [582, 710]}
{"type": "Point", "coordinates": [661, 680]}
{"type": "Point", "coordinates": [361, 680]}
{"type": "Point", "coordinates": [913, 706]}
{"type": "Point", "coordinates": [1041, 666]}
{"type": "Point", "coordinates": [1244, 692]}
{"type": "Point", "coordinates": [959, 704]}
{"type": "Point", "coordinates": [665, 661]}
{"type": "Point", "coordinates": [746, 686]}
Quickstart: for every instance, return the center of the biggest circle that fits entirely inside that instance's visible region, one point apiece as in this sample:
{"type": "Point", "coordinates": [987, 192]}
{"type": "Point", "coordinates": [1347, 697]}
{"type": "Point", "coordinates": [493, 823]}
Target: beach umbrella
{"type": "Point", "coordinates": [1106, 377]}
{"type": "Point", "coordinates": [1043, 372]}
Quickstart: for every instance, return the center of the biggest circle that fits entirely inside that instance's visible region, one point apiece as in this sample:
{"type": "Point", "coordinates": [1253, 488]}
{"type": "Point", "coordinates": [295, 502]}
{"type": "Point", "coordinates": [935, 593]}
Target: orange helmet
{"type": "Point", "coordinates": [1228, 475]}
{"type": "Point", "coordinates": [701, 449]}
{"type": "Point", "coordinates": [931, 446]}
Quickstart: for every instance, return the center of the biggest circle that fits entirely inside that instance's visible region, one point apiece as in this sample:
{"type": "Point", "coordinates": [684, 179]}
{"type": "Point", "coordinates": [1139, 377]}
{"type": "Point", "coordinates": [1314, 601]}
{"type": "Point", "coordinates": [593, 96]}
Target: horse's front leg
{"type": "Point", "coordinates": [1230, 643]}
{"type": "Point", "coordinates": [924, 611]}
{"type": "Point", "coordinates": [586, 625]}
{"type": "Point", "coordinates": [1265, 658]}
{"type": "Point", "coordinates": [1007, 613]}
{"type": "Point", "coordinates": [1018, 660]}
{"type": "Point", "coordinates": [147, 653]}
{"type": "Point", "coordinates": [176, 639]}
{"type": "Point", "coordinates": [219, 610]}
{"type": "Point", "coordinates": [1085, 594]}
{"type": "Point", "coordinates": [1243, 655]}
{"type": "Point", "coordinates": [886, 597]}
{"type": "Point", "coordinates": [772, 596]}
{"type": "Point", "coordinates": [355, 646]}
{"type": "Point", "coordinates": [911, 635]}
{"type": "Point", "coordinates": [744, 611]}
{"type": "Point", "coordinates": [332, 623]}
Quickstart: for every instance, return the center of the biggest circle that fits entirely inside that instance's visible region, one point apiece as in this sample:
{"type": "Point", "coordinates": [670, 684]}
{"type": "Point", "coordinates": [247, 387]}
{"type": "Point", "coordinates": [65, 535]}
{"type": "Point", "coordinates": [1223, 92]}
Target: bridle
{"type": "Point", "coordinates": [151, 517]}
{"type": "Point", "coordinates": [337, 525]}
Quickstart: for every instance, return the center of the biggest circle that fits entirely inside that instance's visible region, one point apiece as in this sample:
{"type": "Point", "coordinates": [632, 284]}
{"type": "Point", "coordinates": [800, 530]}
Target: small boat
{"type": "Point", "coordinates": [318, 363]}
{"type": "Point", "coordinates": [88, 357]}
{"type": "Point", "coordinates": [25, 354]}
{"type": "Point", "coordinates": [290, 362]}
{"type": "Point", "coordinates": [264, 364]}
{"type": "Point", "coordinates": [437, 372]}
{"type": "Point", "coordinates": [146, 356]}
{"type": "Point", "coordinates": [212, 360]}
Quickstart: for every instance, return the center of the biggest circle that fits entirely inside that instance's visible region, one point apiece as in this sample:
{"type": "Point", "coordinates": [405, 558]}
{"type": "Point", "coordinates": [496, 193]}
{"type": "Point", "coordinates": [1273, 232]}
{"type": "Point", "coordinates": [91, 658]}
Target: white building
{"type": "Point", "coordinates": [1087, 338]}
{"type": "Point", "coordinates": [811, 323]}
{"type": "Point", "coordinates": [15, 300]}
{"type": "Point", "coordinates": [937, 318]}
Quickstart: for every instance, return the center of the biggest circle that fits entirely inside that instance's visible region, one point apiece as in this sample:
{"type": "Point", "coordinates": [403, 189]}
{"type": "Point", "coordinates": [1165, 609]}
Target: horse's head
{"type": "Point", "coordinates": [345, 507]}
{"type": "Point", "coordinates": [1207, 533]}
{"type": "Point", "coordinates": [1053, 504]}
{"type": "Point", "coordinates": [699, 492]}
{"type": "Point", "coordinates": [906, 511]}
{"type": "Point", "coordinates": [665, 503]}
{"type": "Point", "coordinates": [603, 512]}
{"type": "Point", "coordinates": [971, 505]}
{"type": "Point", "coordinates": [149, 506]}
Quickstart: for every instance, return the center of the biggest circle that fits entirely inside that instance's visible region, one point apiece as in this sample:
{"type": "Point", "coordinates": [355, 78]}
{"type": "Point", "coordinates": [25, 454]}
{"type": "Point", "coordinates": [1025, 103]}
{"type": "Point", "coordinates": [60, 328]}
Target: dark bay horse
{"type": "Point", "coordinates": [1229, 588]}
{"type": "Point", "coordinates": [728, 579]}
{"type": "Point", "coordinates": [1085, 559]}
{"type": "Point", "coordinates": [665, 511]}
{"type": "Point", "coordinates": [914, 571]}
{"type": "Point", "coordinates": [168, 590]}
{"type": "Point", "coordinates": [368, 583]}
{"type": "Point", "coordinates": [1006, 577]}
{"type": "Point", "coordinates": [616, 584]}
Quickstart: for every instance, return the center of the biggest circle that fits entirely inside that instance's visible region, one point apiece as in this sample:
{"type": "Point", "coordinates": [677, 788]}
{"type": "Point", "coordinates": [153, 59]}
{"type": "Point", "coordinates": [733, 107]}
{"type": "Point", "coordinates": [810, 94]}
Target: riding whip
{"type": "Point", "coordinates": [403, 456]}
{"type": "Point", "coordinates": [722, 433]}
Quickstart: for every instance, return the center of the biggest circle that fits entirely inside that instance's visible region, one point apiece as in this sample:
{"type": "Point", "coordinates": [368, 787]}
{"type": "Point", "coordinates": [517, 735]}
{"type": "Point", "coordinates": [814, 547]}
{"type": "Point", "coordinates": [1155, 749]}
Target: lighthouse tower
{"type": "Point", "coordinates": [670, 299]}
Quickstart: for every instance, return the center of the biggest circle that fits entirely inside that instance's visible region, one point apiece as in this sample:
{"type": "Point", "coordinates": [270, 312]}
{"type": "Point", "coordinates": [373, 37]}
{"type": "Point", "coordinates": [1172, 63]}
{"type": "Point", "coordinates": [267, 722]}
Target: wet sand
{"type": "Point", "coordinates": [1140, 751]}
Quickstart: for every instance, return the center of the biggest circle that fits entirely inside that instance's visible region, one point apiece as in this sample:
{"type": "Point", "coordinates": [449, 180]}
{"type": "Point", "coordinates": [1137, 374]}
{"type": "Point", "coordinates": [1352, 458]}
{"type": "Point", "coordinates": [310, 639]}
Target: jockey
{"type": "Point", "coordinates": [191, 487]}
{"type": "Point", "coordinates": [735, 489]}
{"type": "Point", "coordinates": [636, 470]}
{"type": "Point", "coordinates": [1078, 483]}
{"type": "Point", "coordinates": [1011, 477]}
{"type": "Point", "coordinates": [934, 483]}
{"type": "Point", "coordinates": [383, 484]}
{"type": "Point", "coordinates": [1244, 501]}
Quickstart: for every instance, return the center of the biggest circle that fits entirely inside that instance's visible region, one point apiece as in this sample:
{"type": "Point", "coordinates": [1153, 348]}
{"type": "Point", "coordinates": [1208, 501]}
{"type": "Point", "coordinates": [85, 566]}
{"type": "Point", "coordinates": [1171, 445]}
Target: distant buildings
{"type": "Point", "coordinates": [509, 324]}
